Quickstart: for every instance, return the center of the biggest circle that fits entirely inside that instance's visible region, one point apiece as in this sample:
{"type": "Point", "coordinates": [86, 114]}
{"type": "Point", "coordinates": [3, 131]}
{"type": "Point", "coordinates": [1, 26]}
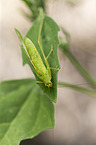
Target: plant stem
{"type": "Point", "coordinates": [78, 88]}
{"type": "Point", "coordinates": [78, 66]}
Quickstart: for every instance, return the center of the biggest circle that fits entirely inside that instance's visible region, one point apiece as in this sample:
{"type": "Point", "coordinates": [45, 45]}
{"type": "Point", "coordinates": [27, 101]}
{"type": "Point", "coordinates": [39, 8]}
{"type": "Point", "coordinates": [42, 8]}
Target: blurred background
{"type": "Point", "coordinates": [75, 113]}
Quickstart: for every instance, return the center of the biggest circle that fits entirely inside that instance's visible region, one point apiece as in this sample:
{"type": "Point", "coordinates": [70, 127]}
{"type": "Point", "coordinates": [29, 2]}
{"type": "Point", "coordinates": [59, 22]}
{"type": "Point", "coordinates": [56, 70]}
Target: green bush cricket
{"type": "Point", "coordinates": [43, 71]}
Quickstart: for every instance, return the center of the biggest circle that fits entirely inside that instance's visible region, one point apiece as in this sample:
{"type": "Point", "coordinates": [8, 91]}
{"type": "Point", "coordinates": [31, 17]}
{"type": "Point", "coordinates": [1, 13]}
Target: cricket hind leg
{"type": "Point", "coordinates": [40, 30]}
{"type": "Point", "coordinates": [45, 58]}
{"type": "Point", "coordinates": [50, 52]}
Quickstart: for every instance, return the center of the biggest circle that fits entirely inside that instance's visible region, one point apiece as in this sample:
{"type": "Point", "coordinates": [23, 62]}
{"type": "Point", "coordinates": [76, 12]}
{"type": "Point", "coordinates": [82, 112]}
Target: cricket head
{"type": "Point", "coordinates": [49, 84]}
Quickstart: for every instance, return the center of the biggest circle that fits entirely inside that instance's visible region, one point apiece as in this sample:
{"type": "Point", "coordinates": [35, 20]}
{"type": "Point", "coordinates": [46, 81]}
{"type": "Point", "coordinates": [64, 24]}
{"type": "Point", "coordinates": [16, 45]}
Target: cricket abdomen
{"type": "Point", "coordinates": [36, 61]}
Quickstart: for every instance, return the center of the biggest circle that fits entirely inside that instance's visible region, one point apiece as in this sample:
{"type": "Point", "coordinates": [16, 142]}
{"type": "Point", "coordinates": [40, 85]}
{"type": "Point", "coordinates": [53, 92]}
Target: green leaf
{"type": "Point", "coordinates": [24, 111]}
{"type": "Point", "coordinates": [49, 36]}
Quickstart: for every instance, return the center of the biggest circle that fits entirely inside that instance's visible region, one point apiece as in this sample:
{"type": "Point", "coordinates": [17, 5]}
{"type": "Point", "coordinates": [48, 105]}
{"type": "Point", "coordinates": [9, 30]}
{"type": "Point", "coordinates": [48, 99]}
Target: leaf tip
{"type": "Point", "coordinates": [19, 35]}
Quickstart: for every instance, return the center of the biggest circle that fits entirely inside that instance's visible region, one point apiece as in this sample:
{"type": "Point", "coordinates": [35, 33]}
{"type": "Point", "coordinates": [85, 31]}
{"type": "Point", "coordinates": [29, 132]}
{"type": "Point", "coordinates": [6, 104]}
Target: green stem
{"type": "Point", "coordinates": [78, 88]}
{"type": "Point", "coordinates": [78, 66]}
